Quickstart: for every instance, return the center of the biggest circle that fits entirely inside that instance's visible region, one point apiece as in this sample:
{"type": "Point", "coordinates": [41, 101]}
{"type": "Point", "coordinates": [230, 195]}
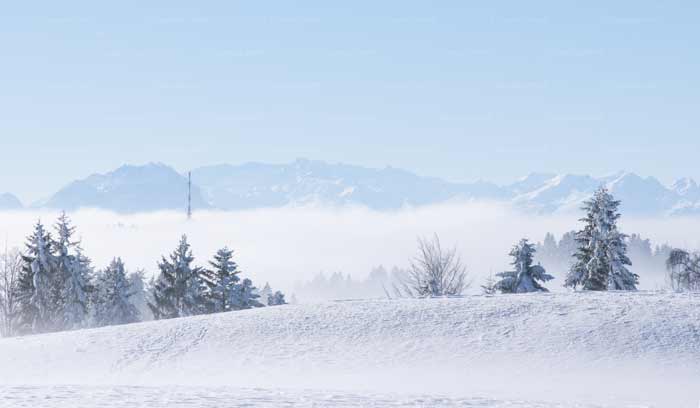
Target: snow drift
{"type": "Point", "coordinates": [599, 348]}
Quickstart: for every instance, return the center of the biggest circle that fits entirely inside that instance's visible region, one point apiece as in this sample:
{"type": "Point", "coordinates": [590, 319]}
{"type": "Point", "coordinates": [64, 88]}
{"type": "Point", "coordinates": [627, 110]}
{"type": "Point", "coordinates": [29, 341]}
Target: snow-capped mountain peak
{"type": "Point", "coordinates": [129, 188]}
{"type": "Point", "coordinates": [685, 186]}
{"type": "Point", "coordinates": [156, 186]}
{"type": "Point", "coordinates": [9, 202]}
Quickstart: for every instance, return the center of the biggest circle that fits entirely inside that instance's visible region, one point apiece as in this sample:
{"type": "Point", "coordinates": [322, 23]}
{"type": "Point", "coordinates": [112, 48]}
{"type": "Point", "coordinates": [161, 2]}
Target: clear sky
{"type": "Point", "coordinates": [457, 89]}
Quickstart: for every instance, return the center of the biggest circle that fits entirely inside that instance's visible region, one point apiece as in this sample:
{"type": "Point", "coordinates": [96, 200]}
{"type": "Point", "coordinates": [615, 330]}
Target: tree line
{"type": "Point", "coordinates": [599, 261]}
{"type": "Point", "coordinates": [52, 286]}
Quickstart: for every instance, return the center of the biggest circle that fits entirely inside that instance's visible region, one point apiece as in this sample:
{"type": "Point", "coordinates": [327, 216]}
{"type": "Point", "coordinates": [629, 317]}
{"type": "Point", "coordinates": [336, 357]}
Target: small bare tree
{"type": "Point", "coordinates": [10, 266]}
{"type": "Point", "coordinates": [489, 286]}
{"type": "Point", "coordinates": [683, 270]}
{"type": "Point", "coordinates": [434, 272]}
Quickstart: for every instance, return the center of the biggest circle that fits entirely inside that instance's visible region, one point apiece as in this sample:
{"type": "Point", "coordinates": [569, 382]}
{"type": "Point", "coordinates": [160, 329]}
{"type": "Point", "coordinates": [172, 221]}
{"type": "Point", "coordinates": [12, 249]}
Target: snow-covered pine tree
{"type": "Point", "coordinates": [601, 258]}
{"type": "Point", "coordinates": [221, 281]}
{"type": "Point", "coordinates": [34, 289]}
{"type": "Point", "coordinates": [266, 293]}
{"type": "Point", "coordinates": [24, 291]}
{"type": "Point", "coordinates": [526, 277]}
{"type": "Point", "coordinates": [245, 296]}
{"type": "Point", "coordinates": [567, 246]}
{"type": "Point", "coordinates": [489, 286]}
{"type": "Point", "coordinates": [139, 298]}
{"type": "Point", "coordinates": [113, 301]}
{"type": "Point", "coordinates": [72, 278]}
{"type": "Point", "coordinates": [276, 299]}
{"type": "Point", "coordinates": [548, 249]}
{"type": "Point", "coordinates": [179, 289]}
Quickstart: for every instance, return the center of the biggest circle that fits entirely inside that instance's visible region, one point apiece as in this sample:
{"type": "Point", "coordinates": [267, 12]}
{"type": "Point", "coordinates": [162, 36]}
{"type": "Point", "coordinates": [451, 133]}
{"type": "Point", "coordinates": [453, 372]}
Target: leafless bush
{"type": "Point", "coordinates": [10, 266]}
{"type": "Point", "coordinates": [684, 270]}
{"type": "Point", "coordinates": [434, 272]}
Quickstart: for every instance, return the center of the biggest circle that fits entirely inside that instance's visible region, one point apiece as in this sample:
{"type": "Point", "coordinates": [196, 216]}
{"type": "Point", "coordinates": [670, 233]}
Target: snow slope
{"type": "Point", "coordinates": [536, 350]}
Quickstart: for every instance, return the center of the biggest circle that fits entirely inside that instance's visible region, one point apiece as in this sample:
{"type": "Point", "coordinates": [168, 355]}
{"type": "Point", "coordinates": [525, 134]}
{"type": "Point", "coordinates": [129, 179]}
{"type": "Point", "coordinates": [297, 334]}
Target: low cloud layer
{"type": "Point", "coordinates": [292, 244]}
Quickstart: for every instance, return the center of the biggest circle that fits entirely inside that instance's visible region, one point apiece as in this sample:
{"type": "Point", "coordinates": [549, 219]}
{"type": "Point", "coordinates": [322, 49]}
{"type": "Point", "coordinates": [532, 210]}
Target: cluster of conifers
{"type": "Point", "coordinates": [600, 260]}
{"type": "Point", "coordinates": [185, 290]}
{"type": "Point", "coordinates": [52, 286]}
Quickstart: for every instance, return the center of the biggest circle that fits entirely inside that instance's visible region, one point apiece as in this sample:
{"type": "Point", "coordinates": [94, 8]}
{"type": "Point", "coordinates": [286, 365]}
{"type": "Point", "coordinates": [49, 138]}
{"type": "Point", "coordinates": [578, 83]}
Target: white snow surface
{"type": "Point", "coordinates": [532, 350]}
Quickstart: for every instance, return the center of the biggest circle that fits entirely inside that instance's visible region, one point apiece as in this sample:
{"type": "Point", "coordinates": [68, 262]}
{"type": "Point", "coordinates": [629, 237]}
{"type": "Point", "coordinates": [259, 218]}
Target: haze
{"type": "Point", "coordinates": [287, 245]}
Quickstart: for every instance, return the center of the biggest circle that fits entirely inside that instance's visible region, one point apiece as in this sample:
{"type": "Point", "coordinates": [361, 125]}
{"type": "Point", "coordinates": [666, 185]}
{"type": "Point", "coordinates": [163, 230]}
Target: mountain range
{"type": "Point", "coordinates": [156, 186]}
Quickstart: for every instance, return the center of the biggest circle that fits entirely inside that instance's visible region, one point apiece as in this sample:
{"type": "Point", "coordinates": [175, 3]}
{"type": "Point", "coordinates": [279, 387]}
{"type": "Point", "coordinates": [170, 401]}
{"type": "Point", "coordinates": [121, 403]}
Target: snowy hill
{"type": "Point", "coordinates": [128, 189]}
{"type": "Point", "coordinates": [257, 185]}
{"type": "Point", "coordinates": [537, 350]}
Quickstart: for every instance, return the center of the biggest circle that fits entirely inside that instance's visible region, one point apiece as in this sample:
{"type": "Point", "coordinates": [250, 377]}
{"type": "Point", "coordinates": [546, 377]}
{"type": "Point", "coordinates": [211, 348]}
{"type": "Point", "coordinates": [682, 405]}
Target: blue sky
{"type": "Point", "coordinates": [452, 89]}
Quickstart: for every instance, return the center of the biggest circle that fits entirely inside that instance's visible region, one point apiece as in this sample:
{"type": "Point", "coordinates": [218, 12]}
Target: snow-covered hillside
{"type": "Point", "coordinates": [594, 349]}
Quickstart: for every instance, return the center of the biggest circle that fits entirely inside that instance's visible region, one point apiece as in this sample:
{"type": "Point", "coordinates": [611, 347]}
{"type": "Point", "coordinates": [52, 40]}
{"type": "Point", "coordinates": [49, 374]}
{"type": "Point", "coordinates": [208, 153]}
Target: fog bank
{"type": "Point", "coordinates": [286, 245]}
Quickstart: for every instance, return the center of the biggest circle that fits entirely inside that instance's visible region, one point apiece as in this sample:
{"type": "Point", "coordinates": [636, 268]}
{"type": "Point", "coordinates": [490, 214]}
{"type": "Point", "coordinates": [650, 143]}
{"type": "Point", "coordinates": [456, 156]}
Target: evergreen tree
{"type": "Point", "coordinates": [34, 289]}
{"type": "Point", "coordinates": [178, 291]}
{"type": "Point", "coordinates": [548, 249]}
{"type": "Point", "coordinates": [24, 291]}
{"type": "Point", "coordinates": [113, 301]}
{"type": "Point", "coordinates": [276, 299]}
{"type": "Point", "coordinates": [526, 276]}
{"type": "Point", "coordinates": [221, 281]}
{"type": "Point", "coordinates": [266, 293]}
{"type": "Point", "coordinates": [489, 287]}
{"type": "Point", "coordinates": [568, 245]}
{"type": "Point", "coordinates": [139, 297]}
{"type": "Point", "coordinates": [601, 259]}
{"type": "Point", "coordinates": [72, 278]}
{"type": "Point", "coordinates": [245, 296]}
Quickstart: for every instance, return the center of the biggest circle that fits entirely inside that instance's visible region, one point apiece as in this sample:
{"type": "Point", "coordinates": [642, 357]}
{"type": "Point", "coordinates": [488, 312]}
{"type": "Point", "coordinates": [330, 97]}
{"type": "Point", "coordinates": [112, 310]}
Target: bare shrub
{"type": "Point", "coordinates": [10, 266]}
{"type": "Point", "coordinates": [683, 270]}
{"type": "Point", "coordinates": [434, 272]}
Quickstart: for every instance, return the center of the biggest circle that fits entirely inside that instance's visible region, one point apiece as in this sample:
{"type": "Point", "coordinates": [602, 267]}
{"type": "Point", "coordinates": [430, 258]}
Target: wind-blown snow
{"type": "Point", "coordinates": [604, 349]}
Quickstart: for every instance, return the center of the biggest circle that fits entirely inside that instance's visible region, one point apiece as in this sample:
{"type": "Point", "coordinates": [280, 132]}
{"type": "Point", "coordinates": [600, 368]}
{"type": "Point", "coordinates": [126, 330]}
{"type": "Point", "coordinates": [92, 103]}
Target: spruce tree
{"type": "Point", "coordinates": [548, 249]}
{"type": "Point", "coordinates": [34, 289]}
{"type": "Point", "coordinates": [139, 297]}
{"type": "Point", "coordinates": [72, 278]}
{"type": "Point", "coordinates": [113, 301]}
{"type": "Point", "coordinates": [221, 280]}
{"type": "Point", "coordinates": [266, 293]}
{"type": "Point", "coordinates": [526, 277]}
{"type": "Point", "coordinates": [489, 286]}
{"type": "Point", "coordinates": [245, 296]}
{"type": "Point", "coordinates": [178, 291]}
{"type": "Point", "coordinates": [24, 290]}
{"type": "Point", "coordinates": [601, 258]}
{"type": "Point", "coordinates": [276, 299]}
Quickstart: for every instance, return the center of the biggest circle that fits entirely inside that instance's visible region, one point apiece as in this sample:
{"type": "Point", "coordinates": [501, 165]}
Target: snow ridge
{"type": "Point", "coordinates": [554, 345]}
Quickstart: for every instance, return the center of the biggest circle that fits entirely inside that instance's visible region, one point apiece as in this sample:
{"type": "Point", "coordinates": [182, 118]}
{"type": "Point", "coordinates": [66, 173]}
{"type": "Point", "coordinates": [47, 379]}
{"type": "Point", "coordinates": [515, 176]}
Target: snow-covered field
{"type": "Point", "coordinates": [218, 397]}
{"type": "Point", "coordinates": [536, 350]}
